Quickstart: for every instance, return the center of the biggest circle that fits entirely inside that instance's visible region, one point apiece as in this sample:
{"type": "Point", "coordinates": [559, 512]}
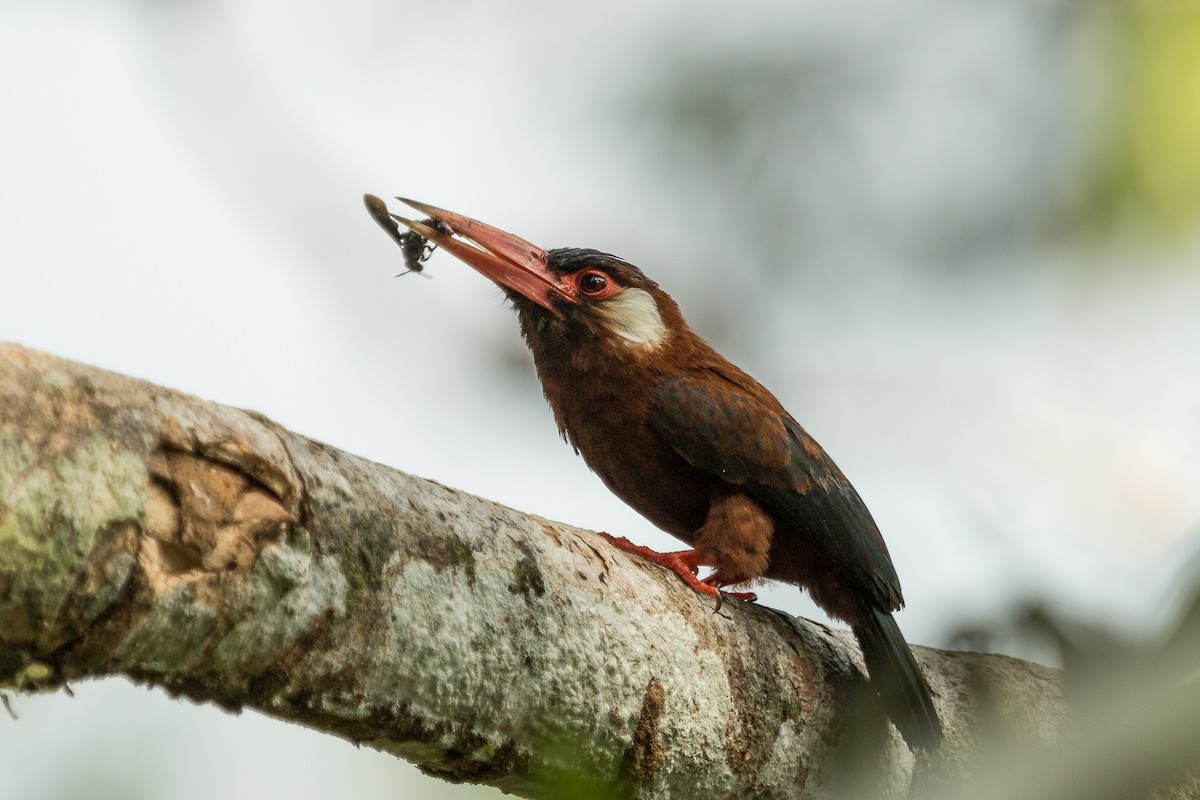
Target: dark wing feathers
{"type": "Point", "coordinates": [724, 434]}
{"type": "Point", "coordinates": [721, 428]}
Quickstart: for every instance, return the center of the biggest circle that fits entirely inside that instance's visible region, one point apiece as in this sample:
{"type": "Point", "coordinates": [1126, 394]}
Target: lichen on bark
{"type": "Point", "coordinates": [206, 550]}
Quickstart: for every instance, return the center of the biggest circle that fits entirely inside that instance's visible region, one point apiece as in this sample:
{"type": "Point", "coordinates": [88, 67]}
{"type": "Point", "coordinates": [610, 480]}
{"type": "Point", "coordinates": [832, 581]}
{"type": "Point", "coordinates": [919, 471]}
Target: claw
{"type": "Point", "coordinates": [719, 581]}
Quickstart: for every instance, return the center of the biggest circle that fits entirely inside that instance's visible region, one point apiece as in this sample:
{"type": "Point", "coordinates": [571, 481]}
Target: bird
{"type": "Point", "coordinates": [695, 445]}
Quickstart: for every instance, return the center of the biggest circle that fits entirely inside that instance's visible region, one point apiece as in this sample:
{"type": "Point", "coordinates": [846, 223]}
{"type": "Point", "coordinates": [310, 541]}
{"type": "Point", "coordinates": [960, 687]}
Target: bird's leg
{"type": "Point", "coordinates": [684, 563]}
{"type": "Point", "coordinates": [737, 532]}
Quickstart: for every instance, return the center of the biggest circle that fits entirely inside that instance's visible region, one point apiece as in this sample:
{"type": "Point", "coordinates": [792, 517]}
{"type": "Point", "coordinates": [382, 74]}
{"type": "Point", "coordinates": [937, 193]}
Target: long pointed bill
{"type": "Point", "coordinates": [507, 260]}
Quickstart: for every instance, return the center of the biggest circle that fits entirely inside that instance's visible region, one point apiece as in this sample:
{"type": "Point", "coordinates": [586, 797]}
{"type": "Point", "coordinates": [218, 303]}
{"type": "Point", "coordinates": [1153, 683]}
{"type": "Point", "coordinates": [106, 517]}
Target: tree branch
{"type": "Point", "coordinates": [206, 550]}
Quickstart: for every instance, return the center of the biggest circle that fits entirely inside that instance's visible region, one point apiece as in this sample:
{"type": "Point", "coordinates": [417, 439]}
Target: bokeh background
{"type": "Point", "coordinates": [958, 240]}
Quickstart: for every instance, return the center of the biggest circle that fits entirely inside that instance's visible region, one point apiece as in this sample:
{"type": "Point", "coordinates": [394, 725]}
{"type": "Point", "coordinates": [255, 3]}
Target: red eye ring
{"type": "Point", "coordinates": [595, 284]}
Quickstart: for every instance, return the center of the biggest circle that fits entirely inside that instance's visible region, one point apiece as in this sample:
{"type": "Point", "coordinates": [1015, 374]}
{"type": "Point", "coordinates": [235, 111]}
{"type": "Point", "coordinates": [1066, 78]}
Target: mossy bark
{"type": "Point", "coordinates": [204, 549]}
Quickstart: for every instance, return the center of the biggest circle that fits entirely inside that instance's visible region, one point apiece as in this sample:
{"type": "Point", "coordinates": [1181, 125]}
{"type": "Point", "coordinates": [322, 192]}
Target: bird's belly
{"type": "Point", "coordinates": [654, 481]}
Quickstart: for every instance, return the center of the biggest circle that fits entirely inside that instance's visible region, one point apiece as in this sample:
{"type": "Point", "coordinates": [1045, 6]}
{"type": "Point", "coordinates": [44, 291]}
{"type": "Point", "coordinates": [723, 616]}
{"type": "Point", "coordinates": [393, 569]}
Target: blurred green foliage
{"type": "Point", "coordinates": [1146, 174]}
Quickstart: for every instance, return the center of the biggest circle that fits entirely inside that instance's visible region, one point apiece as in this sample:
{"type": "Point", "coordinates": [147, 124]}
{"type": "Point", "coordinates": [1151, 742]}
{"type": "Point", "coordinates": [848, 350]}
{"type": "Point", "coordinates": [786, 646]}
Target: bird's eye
{"type": "Point", "coordinates": [595, 284]}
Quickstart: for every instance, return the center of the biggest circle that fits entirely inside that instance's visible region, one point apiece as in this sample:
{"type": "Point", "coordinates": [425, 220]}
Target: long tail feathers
{"type": "Point", "coordinates": [896, 677]}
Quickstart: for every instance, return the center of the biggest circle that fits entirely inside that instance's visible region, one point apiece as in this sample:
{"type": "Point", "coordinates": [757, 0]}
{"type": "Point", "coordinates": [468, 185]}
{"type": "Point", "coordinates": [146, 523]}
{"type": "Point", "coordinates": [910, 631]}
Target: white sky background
{"type": "Point", "coordinates": [180, 190]}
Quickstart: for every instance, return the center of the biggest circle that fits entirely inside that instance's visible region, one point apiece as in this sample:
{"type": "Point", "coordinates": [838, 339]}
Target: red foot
{"type": "Point", "coordinates": [720, 582]}
{"type": "Point", "coordinates": [686, 564]}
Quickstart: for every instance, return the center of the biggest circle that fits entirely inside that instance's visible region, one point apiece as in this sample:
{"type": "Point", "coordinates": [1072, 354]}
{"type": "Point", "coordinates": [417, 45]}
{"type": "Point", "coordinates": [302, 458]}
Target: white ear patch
{"type": "Point", "coordinates": [633, 316]}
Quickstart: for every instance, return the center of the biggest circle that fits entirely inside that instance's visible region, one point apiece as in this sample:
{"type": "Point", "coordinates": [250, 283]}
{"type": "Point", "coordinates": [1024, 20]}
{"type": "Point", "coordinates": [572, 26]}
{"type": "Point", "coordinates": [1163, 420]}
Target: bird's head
{"type": "Point", "coordinates": [571, 301]}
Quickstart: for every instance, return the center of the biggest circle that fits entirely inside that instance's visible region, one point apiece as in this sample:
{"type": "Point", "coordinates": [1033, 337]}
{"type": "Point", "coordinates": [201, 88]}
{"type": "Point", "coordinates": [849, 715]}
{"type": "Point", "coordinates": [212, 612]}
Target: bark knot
{"type": "Point", "coordinates": [646, 755]}
{"type": "Point", "coordinates": [204, 516]}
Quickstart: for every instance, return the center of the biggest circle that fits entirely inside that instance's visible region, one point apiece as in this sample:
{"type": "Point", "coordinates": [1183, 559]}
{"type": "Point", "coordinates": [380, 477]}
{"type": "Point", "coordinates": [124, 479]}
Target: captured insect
{"type": "Point", "coordinates": [415, 247]}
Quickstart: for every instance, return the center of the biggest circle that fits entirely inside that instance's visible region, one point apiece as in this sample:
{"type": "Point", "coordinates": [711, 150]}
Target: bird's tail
{"type": "Point", "coordinates": [896, 677]}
